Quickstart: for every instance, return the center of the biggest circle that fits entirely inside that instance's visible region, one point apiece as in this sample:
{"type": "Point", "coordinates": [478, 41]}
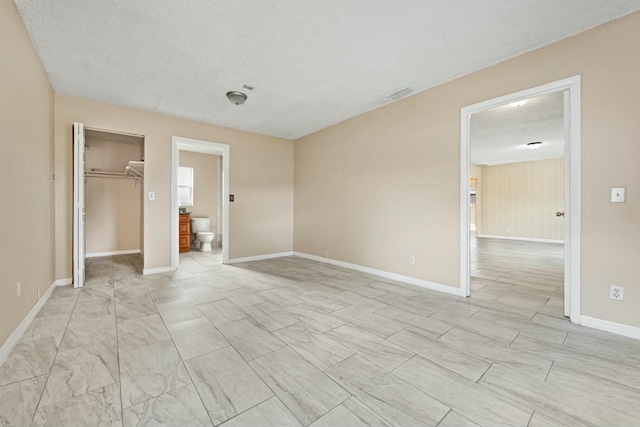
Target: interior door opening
{"type": "Point", "coordinates": [520, 199]}
{"type": "Point", "coordinates": [209, 217]}
{"type": "Point", "coordinates": [108, 200]}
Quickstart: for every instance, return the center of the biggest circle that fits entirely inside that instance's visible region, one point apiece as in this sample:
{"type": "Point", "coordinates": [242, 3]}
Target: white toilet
{"type": "Point", "coordinates": [200, 227]}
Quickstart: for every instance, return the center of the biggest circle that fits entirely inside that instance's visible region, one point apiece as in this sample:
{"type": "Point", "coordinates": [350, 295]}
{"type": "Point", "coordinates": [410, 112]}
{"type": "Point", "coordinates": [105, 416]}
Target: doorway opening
{"type": "Point", "coordinates": [108, 214]}
{"type": "Point", "coordinates": [199, 202]}
{"type": "Point", "coordinates": [523, 199]}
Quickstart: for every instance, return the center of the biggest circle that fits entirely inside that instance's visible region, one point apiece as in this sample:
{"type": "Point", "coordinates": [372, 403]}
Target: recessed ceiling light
{"type": "Point", "coordinates": [518, 103]}
{"type": "Point", "coordinates": [534, 145]}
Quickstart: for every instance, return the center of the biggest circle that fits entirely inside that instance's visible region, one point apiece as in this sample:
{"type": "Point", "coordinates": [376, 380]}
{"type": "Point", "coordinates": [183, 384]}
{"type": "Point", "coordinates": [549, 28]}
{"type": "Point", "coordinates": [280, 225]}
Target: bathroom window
{"type": "Point", "coordinates": [185, 186]}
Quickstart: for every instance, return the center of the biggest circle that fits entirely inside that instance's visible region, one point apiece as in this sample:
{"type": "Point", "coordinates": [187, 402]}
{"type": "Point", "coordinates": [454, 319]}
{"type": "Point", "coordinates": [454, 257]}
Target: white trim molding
{"type": "Point", "coordinates": [388, 275]}
{"type": "Point", "coordinates": [156, 270]}
{"type": "Point", "coordinates": [613, 327]}
{"type": "Point", "coordinates": [64, 282]}
{"type": "Point", "coordinates": [17, 334]}
{"type": "Point", "coordinates": [260, 257]}
{"type": "Point", "coordinates": [572, 185]}
{"type": "Point", "coordinates": [112, 253]}
{"type": "Point", "coordinates": [524, 239]}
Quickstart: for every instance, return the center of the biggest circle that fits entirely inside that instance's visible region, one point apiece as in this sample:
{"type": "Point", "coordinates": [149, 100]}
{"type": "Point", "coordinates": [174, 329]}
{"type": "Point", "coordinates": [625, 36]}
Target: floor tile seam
{"type": "Point", "coordinates": [156, 397]}
{"type": "Point", "coordinates": [485, 371]}
{"type": "Point", "coordinates": [182, 361]}
{"type": "Point", "coordinates": [205, 354]}
{"type": "Point", "coordinates": [320, 370]}
{"type": "Point", "coordinates": [434, 398]}
{"type": "Point", "coordinates": [115, 309]}
{"type": "Point", "coordinates": [514, 338]}
{"type": "Point", "coordinates": [445, 416]}
{"type": "Point", "coordinates": [56, 357]}
{"type": "Point", "coordinates": [563, 405]}
{"type": "Point", "coordinates": [267, 385]}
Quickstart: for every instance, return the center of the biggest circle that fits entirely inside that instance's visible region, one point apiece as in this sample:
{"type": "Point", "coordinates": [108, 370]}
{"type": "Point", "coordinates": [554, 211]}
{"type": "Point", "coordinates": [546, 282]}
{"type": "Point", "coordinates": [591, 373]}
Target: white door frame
{"type": "Point", "coordinates": [79, 244]}
{"type": "Point", "coordinates": [571, 186]}
{"type": "Point", "coordinates": [178, 144]}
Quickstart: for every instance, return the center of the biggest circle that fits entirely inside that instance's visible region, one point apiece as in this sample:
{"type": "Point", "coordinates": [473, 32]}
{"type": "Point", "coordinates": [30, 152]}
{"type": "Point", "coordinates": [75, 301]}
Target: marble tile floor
{"type": "Point", "coordinates": [292, 342]}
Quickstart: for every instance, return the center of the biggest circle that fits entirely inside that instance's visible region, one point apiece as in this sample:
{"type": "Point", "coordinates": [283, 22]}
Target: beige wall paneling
{"type": "Point", "coordinates": [475, 171]}
{"type": "Point", "coordinates": [520, 200]}
{"type": "Point", "coordinates": [26, 171]}
{"type": "Point", "coordinates": [383, 185]}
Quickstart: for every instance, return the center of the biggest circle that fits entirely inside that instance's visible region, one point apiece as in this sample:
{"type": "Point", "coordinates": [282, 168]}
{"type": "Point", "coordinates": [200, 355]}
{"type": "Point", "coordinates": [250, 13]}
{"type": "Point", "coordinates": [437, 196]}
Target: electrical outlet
{"type": "Point", "coordinates": [326, 254]}
{"type": "Point", "coordinates": [412, 259]}
{"type": "Point", "coordinates": [616, 292]}
{"type": "Point", "coordinates": [19, 289]}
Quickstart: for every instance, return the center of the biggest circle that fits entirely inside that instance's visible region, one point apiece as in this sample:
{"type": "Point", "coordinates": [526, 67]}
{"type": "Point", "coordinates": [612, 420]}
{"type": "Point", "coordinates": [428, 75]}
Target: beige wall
{"type": "Point", "coordinates": [26, 168]}
{"type": "Point", "coordinates": [205, 185]}
{"type": "Point", "coordinates": [261, 178]}
{"type": "Point", "coordinates": [113, 220]}
{"type": "Point", "coordinates": [521, 200]}
{"type": "Point", "coordinates": [381, 186]}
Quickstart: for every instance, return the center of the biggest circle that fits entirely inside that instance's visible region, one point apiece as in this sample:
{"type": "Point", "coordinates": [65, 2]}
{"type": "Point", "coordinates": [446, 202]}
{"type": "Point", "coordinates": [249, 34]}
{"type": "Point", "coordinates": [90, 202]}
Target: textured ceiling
{"type": "Point", "coordinates": [313, 63]}
{"type": "Point", "coordinates": [500, 135]}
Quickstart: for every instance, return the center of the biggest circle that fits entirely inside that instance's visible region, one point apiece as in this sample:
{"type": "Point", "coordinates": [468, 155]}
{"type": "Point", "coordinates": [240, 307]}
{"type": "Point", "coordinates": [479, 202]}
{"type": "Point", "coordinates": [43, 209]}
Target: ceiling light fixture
{"type": "Point", "coordinates": [518, 103]}
{"type": "Point", "coordinates": [534, 145]}
{"type": "Point", "coordinates": [236, 97]}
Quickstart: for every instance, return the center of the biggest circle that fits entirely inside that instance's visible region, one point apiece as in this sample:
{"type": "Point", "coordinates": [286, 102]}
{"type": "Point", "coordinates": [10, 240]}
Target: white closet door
{"type": "Point", "coordinates": [79, 251]}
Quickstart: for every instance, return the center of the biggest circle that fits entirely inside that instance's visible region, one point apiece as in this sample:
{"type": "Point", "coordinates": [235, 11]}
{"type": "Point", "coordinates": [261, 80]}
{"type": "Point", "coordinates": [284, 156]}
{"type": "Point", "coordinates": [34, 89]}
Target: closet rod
{"type": "Point", "coordinates": [100, 174]}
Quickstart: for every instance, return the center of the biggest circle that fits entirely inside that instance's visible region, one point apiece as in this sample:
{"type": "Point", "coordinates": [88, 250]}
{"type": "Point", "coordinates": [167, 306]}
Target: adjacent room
{"type": "Point", "coordinates": [516, 204]}
{"type": "Point", "coordinates": [334, 213]}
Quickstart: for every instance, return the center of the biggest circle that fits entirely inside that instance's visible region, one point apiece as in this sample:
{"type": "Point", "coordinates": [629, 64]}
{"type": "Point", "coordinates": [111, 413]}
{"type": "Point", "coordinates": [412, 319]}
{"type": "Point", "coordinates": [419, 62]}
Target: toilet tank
{"type": "Point", "coordinates": [200, 224]}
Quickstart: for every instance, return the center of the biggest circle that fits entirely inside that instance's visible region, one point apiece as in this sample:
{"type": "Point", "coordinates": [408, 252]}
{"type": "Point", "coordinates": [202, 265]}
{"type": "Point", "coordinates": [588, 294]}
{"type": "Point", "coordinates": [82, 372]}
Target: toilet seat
{"type": "Point", "coordinates": [204, 233]}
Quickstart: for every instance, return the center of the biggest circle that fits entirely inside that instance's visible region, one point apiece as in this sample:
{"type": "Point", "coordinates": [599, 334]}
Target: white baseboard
{"type": "Point", "coordinates": [524, 239]}
{"type": "Point", "coordinates": [393, 276]}
{"type": "Point", "coordinates": [613, 327]}
{"type": "Point", "coordinates": [112, 253]}
{"type": "Point", "coordinates": [156, 270]}
{"type": "Point", "coordinates": [17, 334]}
{"type": "Point", "coordinates": [64, 282]}
{"type": "Point", "coordinates": [259, 257]}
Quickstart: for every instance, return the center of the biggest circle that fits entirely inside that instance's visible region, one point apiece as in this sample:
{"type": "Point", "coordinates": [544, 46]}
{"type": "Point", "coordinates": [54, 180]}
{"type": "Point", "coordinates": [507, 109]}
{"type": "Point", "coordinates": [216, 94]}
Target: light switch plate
{"type": "Point", "coordinates": [617, 194]}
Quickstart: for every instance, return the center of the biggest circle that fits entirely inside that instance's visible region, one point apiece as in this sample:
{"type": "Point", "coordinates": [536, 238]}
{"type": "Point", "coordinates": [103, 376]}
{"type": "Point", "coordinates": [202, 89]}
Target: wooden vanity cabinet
{"type": "Point", "coordinates": [184, 232]}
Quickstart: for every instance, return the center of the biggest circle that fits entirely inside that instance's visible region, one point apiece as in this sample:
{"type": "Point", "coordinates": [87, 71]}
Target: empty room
{"type": "Point", "coordinates": [319, 213]}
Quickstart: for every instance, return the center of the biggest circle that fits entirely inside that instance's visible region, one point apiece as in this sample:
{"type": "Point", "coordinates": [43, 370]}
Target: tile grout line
{"type": "Point", "coordinates": [115, 311]}
{"type": "Point", "coordinates": [549, 371]}
{"type": "Point", "coordinates": [56, 356]}
{"type": "Point", "coordinates": [182, 361]}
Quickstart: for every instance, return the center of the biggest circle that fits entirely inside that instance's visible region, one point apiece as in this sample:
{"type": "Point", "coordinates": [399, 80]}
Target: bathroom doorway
{"type": "Point", "coordinates": [200, 203]}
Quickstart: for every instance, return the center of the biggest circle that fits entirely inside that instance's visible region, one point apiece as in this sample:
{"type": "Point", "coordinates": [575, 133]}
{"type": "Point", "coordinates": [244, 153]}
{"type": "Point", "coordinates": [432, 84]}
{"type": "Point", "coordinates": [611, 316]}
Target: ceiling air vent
{"type": "Point", "coordinates": [400, 94]}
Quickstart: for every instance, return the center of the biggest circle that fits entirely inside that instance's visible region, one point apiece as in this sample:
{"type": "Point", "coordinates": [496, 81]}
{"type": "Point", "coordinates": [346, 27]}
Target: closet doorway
{"type": "Point", "coordinates": [108, 197]}
{"type": "Point", "coordinates": [221, 216]}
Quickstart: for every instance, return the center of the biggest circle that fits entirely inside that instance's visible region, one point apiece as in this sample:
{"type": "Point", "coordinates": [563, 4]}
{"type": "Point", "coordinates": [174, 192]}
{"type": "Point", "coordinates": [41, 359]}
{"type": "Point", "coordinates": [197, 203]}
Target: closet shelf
{"type": "Point", "coordinates": [134, 170]}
